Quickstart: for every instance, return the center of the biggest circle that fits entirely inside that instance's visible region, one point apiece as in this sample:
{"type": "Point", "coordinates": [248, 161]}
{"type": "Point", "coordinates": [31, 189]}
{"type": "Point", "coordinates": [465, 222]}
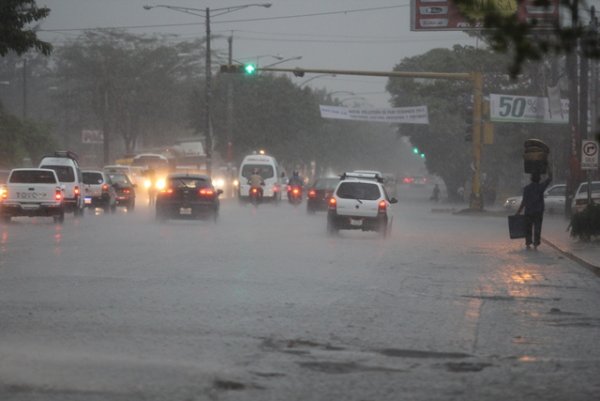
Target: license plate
{"type": "Point", "coordinates": [87, 200]}
{"type": "Point", "coordinates": [30, 207]}
{"type": "Point", "coordinates": [185, 210]}
{"type": "Point", "coordinates": [31, 195]}
{"type": "Point", "coordinates": [356, 222]}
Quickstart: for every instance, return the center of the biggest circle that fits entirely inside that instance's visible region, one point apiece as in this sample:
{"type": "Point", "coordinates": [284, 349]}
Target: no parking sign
{"type": "Point", "coordinates": [589, 155]}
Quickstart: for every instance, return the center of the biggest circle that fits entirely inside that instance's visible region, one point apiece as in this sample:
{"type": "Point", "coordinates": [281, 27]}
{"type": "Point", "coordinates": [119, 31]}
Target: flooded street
{"type": "Point", "coordinates": [265, 305]}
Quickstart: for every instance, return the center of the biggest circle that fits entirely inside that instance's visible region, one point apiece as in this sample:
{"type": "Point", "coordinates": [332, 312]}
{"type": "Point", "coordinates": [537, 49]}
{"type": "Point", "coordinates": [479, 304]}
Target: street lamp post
{"type": "Point", "coordinates": [206, 13]}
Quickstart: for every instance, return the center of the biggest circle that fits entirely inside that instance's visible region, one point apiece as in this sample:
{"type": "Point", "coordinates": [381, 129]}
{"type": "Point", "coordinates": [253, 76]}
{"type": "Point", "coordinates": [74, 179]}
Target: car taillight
{"type": "Point", "coordinates": [206, 192]}
{"type": "Point", "coordinates": [382, 206]}
{"type": "Point", "coordinates": [167, 191]}
{"type": "Point", "coordinates": [312, 193]}
{"type": "Point", "coordinates": [58, 195]}
{"type": "Point", "coordinates": [332, 204]}
{"type": "Point", "coordinates": [76, 190]}
{"type": "Point", "coordinates": [105, 188]}
{"type": "Point", "coordinates": [289, 188]}
{"type": "Point", "coordinates": [254, 190]}
{"type": "Point", "coordinates": [3, 193]}
{"type": "Point", "coordinates": [126, 190]}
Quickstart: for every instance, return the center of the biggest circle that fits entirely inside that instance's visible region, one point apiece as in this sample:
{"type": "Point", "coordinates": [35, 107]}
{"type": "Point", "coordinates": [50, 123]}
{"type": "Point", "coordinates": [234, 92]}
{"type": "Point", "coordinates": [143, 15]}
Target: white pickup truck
{"type": "Point", "coordinates": [32, 192]}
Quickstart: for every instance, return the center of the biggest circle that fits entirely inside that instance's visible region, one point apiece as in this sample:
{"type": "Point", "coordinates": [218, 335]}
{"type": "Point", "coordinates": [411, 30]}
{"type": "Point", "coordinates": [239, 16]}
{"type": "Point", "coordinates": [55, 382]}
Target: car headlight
{"type": "Point", "coordinates": [161, 184]}
{"type": "Point", "coordinates": [219, 183]}
{"type": "Point", "coordinates": [236, 183]}
{"type": "Point", "coordinates": [147, 184]}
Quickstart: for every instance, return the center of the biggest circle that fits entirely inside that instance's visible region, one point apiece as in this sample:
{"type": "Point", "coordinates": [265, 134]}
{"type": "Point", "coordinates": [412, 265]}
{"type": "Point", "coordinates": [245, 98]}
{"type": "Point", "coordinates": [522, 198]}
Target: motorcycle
{"type": "Point", "coordinates": [294, 193]}
{"type": "Point", "coordinates": [256, 194]}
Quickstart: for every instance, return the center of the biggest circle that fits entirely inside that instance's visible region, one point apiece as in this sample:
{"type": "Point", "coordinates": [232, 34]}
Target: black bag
{"type": "Point", "coordinates": [516, 226]}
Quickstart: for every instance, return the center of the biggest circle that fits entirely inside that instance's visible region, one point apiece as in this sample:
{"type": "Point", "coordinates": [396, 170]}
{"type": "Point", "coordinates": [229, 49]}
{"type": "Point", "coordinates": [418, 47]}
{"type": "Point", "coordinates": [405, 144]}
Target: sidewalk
{"type": "Point", "coordinates": [555, 234]}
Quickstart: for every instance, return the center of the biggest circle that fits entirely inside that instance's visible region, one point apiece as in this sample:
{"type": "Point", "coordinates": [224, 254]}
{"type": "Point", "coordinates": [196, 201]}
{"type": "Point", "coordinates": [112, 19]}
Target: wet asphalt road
{"type": "Point", "coordinates": [263, 305]}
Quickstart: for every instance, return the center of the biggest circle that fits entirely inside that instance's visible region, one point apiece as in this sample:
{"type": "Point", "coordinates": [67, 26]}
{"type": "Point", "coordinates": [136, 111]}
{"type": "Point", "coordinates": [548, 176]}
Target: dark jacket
{"type": "Point", "coordinates": [533, 197]}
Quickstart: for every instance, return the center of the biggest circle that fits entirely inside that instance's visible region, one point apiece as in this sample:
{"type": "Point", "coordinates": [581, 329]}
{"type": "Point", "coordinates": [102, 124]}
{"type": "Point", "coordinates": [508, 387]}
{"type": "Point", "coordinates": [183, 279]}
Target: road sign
{"type": "Point", "coordinates": [589, 155]}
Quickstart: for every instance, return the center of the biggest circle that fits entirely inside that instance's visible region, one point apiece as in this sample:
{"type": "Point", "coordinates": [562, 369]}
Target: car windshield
{"type": "Point", "coordinates": [326, 183]}
{"type": "Point", "coordinates": [188, 182]}
{"type": "Point", "coordinates": [64, 173]}
{"type": "Point", "coordinates": [265, 170]}
{"type": "Point", "coordinates": [358, 190]}
{"type": "Point", "coordinates": [90, 178]}
{"type": "Point", "coordinates": [150, 162]}
{"type": "Point", "coordinates": [558, 191]}
{"type": "Point", "coordinates": [584, 188]}
{"type": "Point", "coordinates": [32, 177]}
{"type": "Point", "coordinates": [120, 179]}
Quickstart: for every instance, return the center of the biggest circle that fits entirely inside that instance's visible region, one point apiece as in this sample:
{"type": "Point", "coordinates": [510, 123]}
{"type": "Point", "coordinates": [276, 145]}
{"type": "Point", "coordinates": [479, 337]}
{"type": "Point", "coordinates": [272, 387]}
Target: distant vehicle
{"type": "Point", "coordinates": [150, 160]}
{"type": "Point", "coordinates": [416, 180]}
{"type": "Point", "coordinates": [269, 170]}
{"type": "Point", "coordinates": [32, 192]}
{"type": "Point", "coordinates": [98, 191]}
{"type": "Point", "coordinates": [188, 196]}
{"type": "Point", "coordinates": [580, 200]}
{"type": "Point", "coordinates": [135, 173]}
{"type": "Point", "coordinates": [66, 165]}
{"type": "Point", "coordinates": [124, 189]}
{"type": "Point", "coordinates": [359, 202]}
{"type": "Point", "coordinates": [554, 200]}
{"type": "Point", "coordinates": [319, 192]}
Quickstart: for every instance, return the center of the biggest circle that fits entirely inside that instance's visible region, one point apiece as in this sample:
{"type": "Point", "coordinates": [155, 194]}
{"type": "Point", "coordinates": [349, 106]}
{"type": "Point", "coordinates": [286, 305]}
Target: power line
{"type": "Point", "coordinates": [359, 10]}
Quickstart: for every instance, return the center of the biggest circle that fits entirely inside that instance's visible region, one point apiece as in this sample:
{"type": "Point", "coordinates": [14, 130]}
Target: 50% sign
{"type": "Point", "coordinates": [589, 155]}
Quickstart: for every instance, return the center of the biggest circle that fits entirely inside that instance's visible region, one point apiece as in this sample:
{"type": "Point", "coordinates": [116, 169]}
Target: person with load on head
{"type": "Point", "coordinates": [533, 206]}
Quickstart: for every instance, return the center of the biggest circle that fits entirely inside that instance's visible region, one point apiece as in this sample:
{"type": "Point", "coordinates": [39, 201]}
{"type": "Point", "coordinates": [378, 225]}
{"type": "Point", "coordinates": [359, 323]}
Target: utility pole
{"type": "Point", "coordinates": [208, 96]}
{"type": "Point", "coordinates": [230, 105]}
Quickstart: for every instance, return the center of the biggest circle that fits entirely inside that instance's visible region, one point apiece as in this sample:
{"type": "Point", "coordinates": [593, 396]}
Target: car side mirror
{"type": "Point", "coordinates": [219, 192]}
{"type": "Point", "coordinates": [393, 200]}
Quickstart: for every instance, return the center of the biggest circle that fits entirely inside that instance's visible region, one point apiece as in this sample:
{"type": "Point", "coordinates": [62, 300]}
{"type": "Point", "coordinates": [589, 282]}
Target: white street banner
{"type": "Point", "coordinates": [527, 109]}
{"type": "Point", "coordinates": [396, 115]}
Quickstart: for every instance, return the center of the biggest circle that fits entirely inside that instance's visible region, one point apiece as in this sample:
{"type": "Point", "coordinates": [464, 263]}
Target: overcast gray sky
{"type": "Point", "coordinates": [331, 34]}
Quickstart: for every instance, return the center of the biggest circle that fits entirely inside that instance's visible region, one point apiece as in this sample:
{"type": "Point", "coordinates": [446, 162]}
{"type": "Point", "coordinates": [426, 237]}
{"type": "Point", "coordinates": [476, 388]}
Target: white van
{"type": "Point", "coordinates": [268, 169]}
{"type": "Point", "coordinates": [66, 166]}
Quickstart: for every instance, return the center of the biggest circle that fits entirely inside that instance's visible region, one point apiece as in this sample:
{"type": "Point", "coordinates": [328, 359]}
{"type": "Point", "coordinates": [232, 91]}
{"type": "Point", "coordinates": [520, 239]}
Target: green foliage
{"type": "Point", "coordinates": [19, 139]}
{"type": "Point", "coordinates": [507, 34]}
{"type": "Point", "coordinates": [14, 16]}
{"type": "Point", "coordinates": [133, 85]}
{"type": "Point", "coordinates": [586, 224]}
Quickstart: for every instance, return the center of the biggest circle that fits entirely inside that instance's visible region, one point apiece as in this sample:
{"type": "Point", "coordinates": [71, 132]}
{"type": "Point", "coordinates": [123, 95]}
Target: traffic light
{"type": "Point", "coordinates": [246, 69]}
{"type": "Point", "coordinates": [249, 69]}
{"type": "Point", "coordinates": [415, 150]}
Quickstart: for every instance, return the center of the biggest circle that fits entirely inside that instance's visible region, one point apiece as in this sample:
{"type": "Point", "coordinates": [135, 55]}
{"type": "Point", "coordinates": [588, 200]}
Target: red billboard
{"type": "Point", "coordinates": [444, 15]}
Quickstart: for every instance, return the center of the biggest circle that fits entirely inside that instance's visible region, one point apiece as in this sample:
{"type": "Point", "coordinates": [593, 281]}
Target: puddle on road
{"type": "Point", "coordinates": [345, 367]}
{"type": "Point", "coordinates": [408, 353]}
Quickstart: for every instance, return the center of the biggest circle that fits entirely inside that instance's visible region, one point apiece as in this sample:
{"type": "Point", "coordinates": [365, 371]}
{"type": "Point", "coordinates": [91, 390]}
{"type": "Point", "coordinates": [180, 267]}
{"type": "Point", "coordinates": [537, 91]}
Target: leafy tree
{"type": "Point", "coordinates": [506, 33]}
{"type": "Point", "coordinates": [19, 139]}
{"type": "Point", "coordinates": [14, 16]}
{"type": "Point", "coordinates": [448, 153]}
{"type": "Point", "coordinates": [135, 85]}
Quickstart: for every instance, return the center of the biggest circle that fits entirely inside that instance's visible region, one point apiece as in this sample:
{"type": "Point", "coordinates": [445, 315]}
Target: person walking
{"type": "Point", "coordinates": [533, 206]}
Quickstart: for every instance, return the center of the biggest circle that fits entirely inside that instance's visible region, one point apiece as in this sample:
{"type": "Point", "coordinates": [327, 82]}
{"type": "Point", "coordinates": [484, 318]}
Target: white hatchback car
{"type": "Point", "coordinates": [359, 202]}
{"type": "Point", "coordinates": [580, 200]}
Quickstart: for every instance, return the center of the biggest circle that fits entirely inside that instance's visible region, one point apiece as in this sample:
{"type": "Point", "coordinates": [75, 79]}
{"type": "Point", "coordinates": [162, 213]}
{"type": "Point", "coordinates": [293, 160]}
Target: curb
{"type": "Point", "coordinates": [590, 266]}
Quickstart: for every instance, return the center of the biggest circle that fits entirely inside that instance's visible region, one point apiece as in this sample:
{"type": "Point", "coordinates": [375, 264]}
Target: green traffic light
{"type": "Point", "coordinates": [250, 69]}
{"type": "Point", "coordinates": [416, 151]}
{"type": "Point", "coordinates": [422, 155]}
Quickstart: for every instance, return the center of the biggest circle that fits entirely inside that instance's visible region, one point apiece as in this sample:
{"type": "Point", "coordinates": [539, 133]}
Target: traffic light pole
{"type": "Point", "coordinates": [475, 201]}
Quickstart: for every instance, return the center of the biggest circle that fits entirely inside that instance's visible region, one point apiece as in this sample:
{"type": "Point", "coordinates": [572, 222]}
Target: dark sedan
{"type": "Point", "coordinates": [125, 190]}
{"type": "Point", "coordinates": [319, 192]}
{"type": "Point", "coordinates": [188, 196]}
